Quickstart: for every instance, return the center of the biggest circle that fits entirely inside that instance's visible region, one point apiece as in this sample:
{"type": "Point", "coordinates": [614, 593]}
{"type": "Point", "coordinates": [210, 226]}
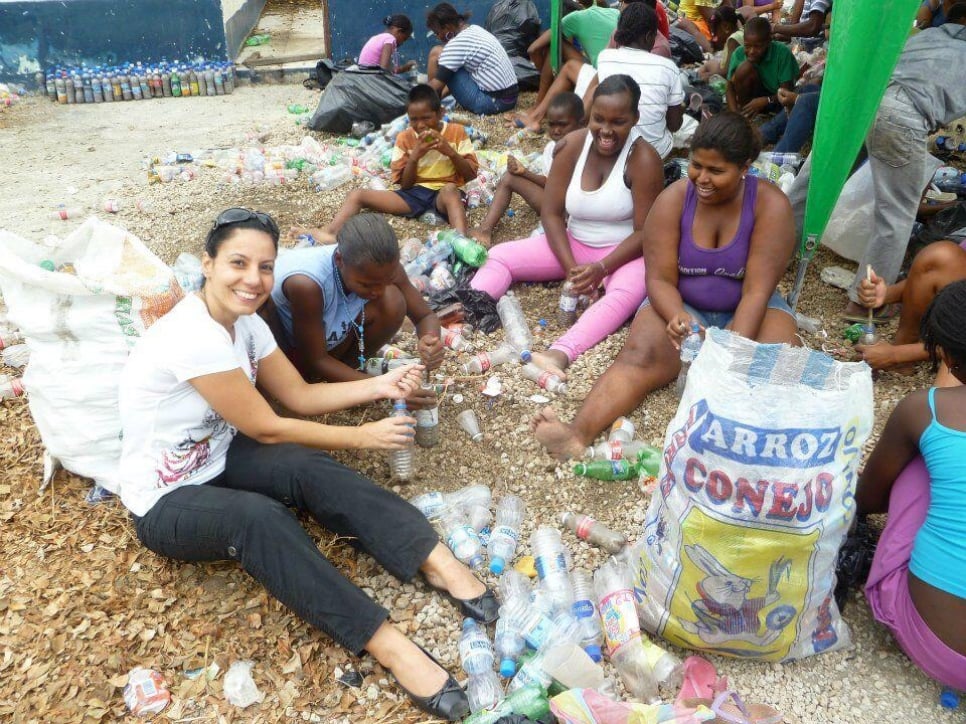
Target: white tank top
{"type": "Point", "coordinates": [605, 216]}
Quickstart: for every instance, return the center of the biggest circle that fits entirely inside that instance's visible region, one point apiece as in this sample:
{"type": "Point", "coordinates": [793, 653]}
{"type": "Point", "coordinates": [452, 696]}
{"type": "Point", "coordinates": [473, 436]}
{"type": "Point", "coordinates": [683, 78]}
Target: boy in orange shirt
{"type": "Point", "coordinates": [431, 160]}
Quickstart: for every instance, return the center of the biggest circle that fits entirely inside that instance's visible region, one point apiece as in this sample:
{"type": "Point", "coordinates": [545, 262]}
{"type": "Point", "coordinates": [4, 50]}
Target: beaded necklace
{"type": "Point", "coordinates": [359, 326]}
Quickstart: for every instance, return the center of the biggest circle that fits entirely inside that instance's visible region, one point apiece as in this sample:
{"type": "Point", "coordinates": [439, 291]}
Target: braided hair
{"type": "Point", "coordinates": [943, 327]}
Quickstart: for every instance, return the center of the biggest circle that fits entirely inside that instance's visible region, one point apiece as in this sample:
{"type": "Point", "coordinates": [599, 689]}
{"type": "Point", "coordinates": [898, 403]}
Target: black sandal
{"type": "Point", "coordinates": [449, 703]}
{"type": "Point", "coordinates": [485, 608]}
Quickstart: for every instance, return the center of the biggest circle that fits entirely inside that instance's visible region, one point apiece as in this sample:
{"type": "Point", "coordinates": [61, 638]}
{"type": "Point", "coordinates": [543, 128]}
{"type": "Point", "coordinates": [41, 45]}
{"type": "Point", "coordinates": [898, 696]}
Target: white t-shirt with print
{"type": "Point", "coordinates": [172, 436]}
{"type": "Point", "coordinates": [547, 158]}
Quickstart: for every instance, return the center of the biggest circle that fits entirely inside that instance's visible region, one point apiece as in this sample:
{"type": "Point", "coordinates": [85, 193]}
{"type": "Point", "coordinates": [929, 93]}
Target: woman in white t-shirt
{"type": "Point", "coordinates": [211, 472]}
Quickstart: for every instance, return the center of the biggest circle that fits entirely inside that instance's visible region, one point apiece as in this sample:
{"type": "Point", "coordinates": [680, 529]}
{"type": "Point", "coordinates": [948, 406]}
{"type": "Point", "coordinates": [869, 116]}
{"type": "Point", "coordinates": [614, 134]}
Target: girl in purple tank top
{"type": "Point", "coordinates": [716, 245]}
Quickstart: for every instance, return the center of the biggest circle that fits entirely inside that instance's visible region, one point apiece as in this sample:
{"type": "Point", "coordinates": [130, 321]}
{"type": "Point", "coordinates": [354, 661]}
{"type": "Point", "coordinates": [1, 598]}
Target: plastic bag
{"type": "Point", "coordinates": [360, 95]}
{"type": "Point", "coordinates": [754, 498]}
{"type": "Point", "coordinates": [947, 224]}
{"type": "Point", "coordinates": [528, 75]}
{"type": "Point", "coordinates": [239, 687]}
{"type": "Point", "coordinates": [587, 706]}
{"type": "Point", "coordinates": [79, 322]}
{"type": "Point", "coordinates": [515, 23]}
{"type": "Point", "coordinates": [684, 48]}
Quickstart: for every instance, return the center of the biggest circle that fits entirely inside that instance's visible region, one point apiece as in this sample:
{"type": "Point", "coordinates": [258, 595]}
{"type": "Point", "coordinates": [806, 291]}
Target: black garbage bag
{"type": "Point", "coordinates": [515, 23]}
{"type": "Point", "coordinates": [360, 95]}
{"type": "Point", "coordinates": [684, 48]}
{"type": "Point", "coordinates": [711, 102]}
{"type": "Point", "coordinates": [854, 561]}
{"type": "Point", "coordinates": [947, 224]}
{"type": "Point", "coordinates": [479, 307]}
{"type": "Point", "coordinates": [528, 75]}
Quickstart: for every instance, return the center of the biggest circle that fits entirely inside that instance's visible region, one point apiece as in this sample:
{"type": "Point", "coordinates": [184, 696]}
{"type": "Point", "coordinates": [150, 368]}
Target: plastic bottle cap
{"type": "Point", "coordinates": [948, 699]}
{"type": "Point", "coordinates": [526, 356]}
{"type": "Point", "coordinates": [593, 651]}
{"type": "Point", "coordinates": [507, 668]}
{"type": "Point", "coordinates": [497, 565]}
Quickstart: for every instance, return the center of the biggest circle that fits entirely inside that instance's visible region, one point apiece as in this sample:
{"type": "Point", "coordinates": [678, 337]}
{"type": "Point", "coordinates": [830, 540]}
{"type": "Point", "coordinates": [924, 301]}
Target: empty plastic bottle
{"type": "Point", "coordinates": [782, 159]}
{"type": "Point", "coordinates": [551, 565]}
{"type": "Point", "coordinates": [66, 212]}
{"type": "Point", "coordinates": [690, 347]}
{"type": "Point", "coordinates": [460, 536]}
{"type": "Point", "coordinates": [326, 179]}
{"type": "Point", "coordinates": [510, 512]}
{"type": "Point", "coordinates": [532, 673]}
{"type": "Point", "coordinates": [431, 218]}
{"type": "Point", "coordinates": [528, 620]}
{"type": "Point", "coordinates": [16, 355]}
{"type": "Point", "coordinates": [376, 366]}
{"type": "Point", "coordinates": [567, 307]}
{"type": "Point", "coordinates": [401, 461]}
{"type": "Point", "coordinates": [513, 585]}
{"type": "Point", "coordinates": [529, 701]}
{"type": "Point", "coordinates": [608, 470]}
{"type": "Point", "coordinates": [667, 669]}
{"type": "Point", "coordinates": [509, 646]}
{"type": "Point", "coordinates": [10, 387]}
{"type": "Point", "coordinates": [515, 327]}
{"type": "Point", "coordinates": [475, 501]}
{"type": "Point", "coordinates": [622, 629]}
{"type": "Point", "coordinates": [593, 531]}
{"type": "Point", "coordinates": [484, 361]}
{"type": "Point", "coordinates": [427, 423]}
{"type": "Point", "coordinates": [544, 378]}
{"type": "Point", "coordinates": [615, 450]}
{"type": "Point", "coordinates": [467, 250]}
{"type": "Point", "coordinates": [452, 339]}
{"type": "Point", "coordinates": [586, 613]}
{"type": "Point", "coordinates": [622, 429]}
{"type": "Point", "coordinates": [9, 338]}
{"type": "Point", "coordinates": [476, 656]}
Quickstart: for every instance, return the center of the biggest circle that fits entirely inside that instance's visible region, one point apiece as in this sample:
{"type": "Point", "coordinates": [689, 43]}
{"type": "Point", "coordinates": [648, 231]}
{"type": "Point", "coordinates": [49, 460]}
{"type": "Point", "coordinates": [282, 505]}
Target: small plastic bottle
{"type": "Point", "coordinates": [10, 387]}
{"type": "Point", "coordinates": [467, 250]}
{"type": "Point", "coordinates": [476, 655]}
{"type": "Point", "coordinates": [475, 502]}
{"type": "Point", "coordinates": [608, 470]}
{"type": "Point", "coordinates": [548, 550]}
{"type": "Point", "coordinates": [509, 646]}
{"type": "Point", "coordinates": [64, 212]}
{"type": "Point", "coordinates": [510, 512]}
{"type": "Point", "coordinates": [401, 461]}
{"type": "Point", "coordinates": [689, 350]}
{"type": "Point", "coordinates": [461, 538]}
{"type": "Point", "coordinates": [667, 669]}
{"type": "Point", "coordinates": [567, 307]}
{"type": "Point", "coordinates": [586, 613]}
{"type": "Point", "coordinates": [532, 624]}
{"type": "Point", "coordinates": [331, 177]}
{"type": "Point", "coordinates": [622, 429]}
{"type": "Point", "coordinates": [515, 327]}
{"type": "Point", "coordinates": [427, 423]}
{"type": "Point", "coordinates": [544, 378]}
{"type": "Point", "coordinates": [484, 361]}
{"type": "Point", "coordinates": [615, 450]}
{"type": "Point", "coordinates": [453, 340]}
{"type": "Point", "coordinates": [593, 531]}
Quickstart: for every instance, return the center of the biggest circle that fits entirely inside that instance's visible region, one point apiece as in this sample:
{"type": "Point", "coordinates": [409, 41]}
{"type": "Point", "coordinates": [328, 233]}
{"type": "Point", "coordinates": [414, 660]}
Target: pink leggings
{"type": "Point", "coordinates": [887, 590]}
{"type": "Point", "coordinates": [532, 260]}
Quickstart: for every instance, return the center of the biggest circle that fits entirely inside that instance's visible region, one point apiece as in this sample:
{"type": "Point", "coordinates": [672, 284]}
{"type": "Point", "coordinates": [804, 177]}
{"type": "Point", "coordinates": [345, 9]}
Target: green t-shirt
{"type": "Point", "coordinates": [777, 67]}
{"type": "Point", "coordinates": [592, 28]}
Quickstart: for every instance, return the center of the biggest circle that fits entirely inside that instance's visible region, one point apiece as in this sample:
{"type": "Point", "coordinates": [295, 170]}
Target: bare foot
{"type": "Point", "coordinates": [553, 361]}
{"type": "Point", "coordinates": [524, 120]}
{"type": "Point", "coordinates": [484, 236]}
{"type": "Point", "coordinates": [556, 436]}
{"type": "Point", "coordinates": [321, 236]}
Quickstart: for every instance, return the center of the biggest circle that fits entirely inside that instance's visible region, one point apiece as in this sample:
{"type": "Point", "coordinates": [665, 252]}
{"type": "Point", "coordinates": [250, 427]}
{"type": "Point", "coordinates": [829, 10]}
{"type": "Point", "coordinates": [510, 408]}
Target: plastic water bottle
{"type": "Point", "coordinates": [326, 179]}
{"type": "Point", "coordinates": [529, 701]}
{"type": "Point", "coordinates": [548, 550]}
{"type": "Point", "coordinates": [461, 538]}
{"type": "Point", "coordinates": [689, 350]}
{"type": "Point", "coordinates": [427, 423]}
{"type": "Point", "coordinates": [532, 673]}
{"type": "Point", "coordinates": [401, 461]}
{"type": "Point", "coordinates": [667, 669]}
{"type": "Point", "coordinates": [515, 327]}
{"type": "Point", "coordinates": [376, 366]}
{"type": "Point", "coordinates": [622, 629]}
{"type": "Point", "coordinates": [66, 212]}
{"type": "Point", "coordinates": [529, 621]}
{"type": "Point", "coordinates": [509, 646]}
{"type": "Point", "coordinates": [484, 361]}
{"type": "Point", "coordinates": [513, 585]}
{"type": "Point", "coordinates": [544, 378]}
{"type": "Point", "coordinates": [593, 531]}
{"type": "Point", "coordinates": [10, 387]}
{"type": "Point", "coordinates": [16, 356]}
{"type": "Point", "coordinates": [585, 611]}
{"type": "Point", "coordinates": [615, 450]}
{"type": "Point", "coordinates": [475, 501]}
{"type": "Point", "coordinates": [455, 341]}
{"type": "Point", "coordinates": [517, 138]}
{"type": "Point", "coordinates": [782, 159]}
{"type": "Point", "coordinates": [567, 307]}
{"type": "Point", "coordinates": [510, 512]}
{"type": "Point", "coordinates": [476, 656]}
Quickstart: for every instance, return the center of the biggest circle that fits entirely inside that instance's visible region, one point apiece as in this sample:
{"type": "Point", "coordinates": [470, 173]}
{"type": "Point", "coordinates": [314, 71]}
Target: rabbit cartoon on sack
{"type": "Point", "coordinates": [723, 610]}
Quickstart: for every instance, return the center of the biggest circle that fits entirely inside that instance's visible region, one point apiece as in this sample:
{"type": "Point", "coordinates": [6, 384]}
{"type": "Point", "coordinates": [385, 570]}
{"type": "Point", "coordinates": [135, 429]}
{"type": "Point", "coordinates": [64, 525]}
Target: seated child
{"type": "Point", "coordinates": [382, 50]}
{"type": "Point", "coordinates": [758, 69]}
{"type": "Point", "coordinates": [430, 162]}
{"type": "Point", "coordinates": [566, 114]}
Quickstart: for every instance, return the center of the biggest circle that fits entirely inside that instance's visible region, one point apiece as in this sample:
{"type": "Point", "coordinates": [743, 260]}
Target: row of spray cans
{"type": "Point", "coordinates": [136, 81]}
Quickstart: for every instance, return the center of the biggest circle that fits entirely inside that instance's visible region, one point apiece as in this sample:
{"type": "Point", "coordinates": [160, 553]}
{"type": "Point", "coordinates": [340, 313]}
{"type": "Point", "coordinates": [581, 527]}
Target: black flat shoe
{"type": "Point", "coordinates": [449, 703]}
{"type": "Point", "coordinates": [485, 608]}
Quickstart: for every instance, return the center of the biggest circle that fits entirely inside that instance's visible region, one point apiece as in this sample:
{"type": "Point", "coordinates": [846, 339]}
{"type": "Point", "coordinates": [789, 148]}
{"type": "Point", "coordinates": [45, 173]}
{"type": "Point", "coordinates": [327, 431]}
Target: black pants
{"type": "Point", "coordinates": [244, 515]}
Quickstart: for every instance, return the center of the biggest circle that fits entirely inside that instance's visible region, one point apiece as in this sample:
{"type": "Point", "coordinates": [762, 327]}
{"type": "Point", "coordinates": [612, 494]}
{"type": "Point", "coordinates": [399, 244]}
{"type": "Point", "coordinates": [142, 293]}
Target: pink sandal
{"type": "Point", "coordinates": [700, 680]}
{"type": "Point", "coordinates": [738, 713]}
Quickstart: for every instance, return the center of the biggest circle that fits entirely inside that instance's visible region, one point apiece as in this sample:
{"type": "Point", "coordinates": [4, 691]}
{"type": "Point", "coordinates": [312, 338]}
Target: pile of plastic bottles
{"type": "Point", "coordinates": [138, 81]}
{"type": "Point", "coordinates": [779, 168]}
{"type": "Point", "coordinates": [9, 95]}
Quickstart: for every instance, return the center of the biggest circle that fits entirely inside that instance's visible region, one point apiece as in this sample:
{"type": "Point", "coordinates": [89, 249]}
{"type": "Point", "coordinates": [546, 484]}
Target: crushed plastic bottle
{"type": "Point", "coordinates": [16, 355]}
{"type": "Point", "coordinates": [10, 387]}
{"type": "Point", "coordinates": [239, 687]}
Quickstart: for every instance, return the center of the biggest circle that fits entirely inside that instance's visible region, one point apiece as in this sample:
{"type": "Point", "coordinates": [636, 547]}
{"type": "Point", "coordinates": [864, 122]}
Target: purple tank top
{"type": "Point", "coordinates": [711, 279]}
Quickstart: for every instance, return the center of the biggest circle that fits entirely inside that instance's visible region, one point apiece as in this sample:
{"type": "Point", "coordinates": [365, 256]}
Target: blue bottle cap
{"type": "Point", "coordinates": [948, 699]}
{"type": "Point", "coordinates": [526, 356]}
{"type": "Point", "coordinates": [593, 651]}
{"type": "Point", "coordinates": [507, 668]}
{"type": "Point", "coordinates": [497, 565]}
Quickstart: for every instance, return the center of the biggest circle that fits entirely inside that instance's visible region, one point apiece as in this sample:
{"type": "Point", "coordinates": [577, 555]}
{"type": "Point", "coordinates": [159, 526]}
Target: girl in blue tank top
{"type": "Point", "coordinates": [917, 585]}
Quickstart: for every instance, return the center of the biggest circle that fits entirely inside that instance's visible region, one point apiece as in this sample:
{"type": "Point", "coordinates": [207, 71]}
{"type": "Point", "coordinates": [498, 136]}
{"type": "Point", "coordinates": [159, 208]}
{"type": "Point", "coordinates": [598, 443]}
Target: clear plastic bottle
{"type": "Point", "coordinates": [690, 347]}
{"type": "Point", "coordinates": [530, 621]}
{"type": "Point", "coordinates": [510, 512]}
{"type": "Point", "coordinates": [16, 355]}
{"type": "Point", "coordinates": [531, 673]}
{"type": "Point", "coordinates": [10, 387]}
{"type": "Point", "coordinates": [461, 538]}
{"type": "Point", "coordinates": [544, 378]}
{"type": "Point", "coordinates": [622, 630]}
{"type": "Point", "coordinates": [453, 340]}
{"type": "Point", "coordinates": [484, 361]}
{"type": "Point", "coordinates": [529, 701]}
{"type": "Point", "coordinates": [513, 585]}
{"type": "Point", "coordinates": [615, 450]}
{"type": "Point", "coordinates": [567, 307]}
{"type": "Point", "coordinates": [667, 669]}
{"type": "Point", "coordinates": [431, 218]}
{"type": "Point", "coordinates": [593, 531]}
{"type": "Point", "coordinates": [376, 366]}
{"type": "Point", "coordinates": [475, 501]}
{"type": "Point", "coordinates": [431, 504]}
{"type": "Point", "coordinates": [548, 552]}
{"type": "Point", "coordinates": [427, 423]}
{"type": "Point", "coordinates": [509, 646]}
{"type": "Point", "coordinates": [585, 611]}
{"type": "Point", "coordinates": [515, 328]}
{"type": "Point", "coordinates": [622, 429]}
{"type": "Point", "coordinates": [476, 653]}
{"type": "Point", "coordinates": [401, 461]}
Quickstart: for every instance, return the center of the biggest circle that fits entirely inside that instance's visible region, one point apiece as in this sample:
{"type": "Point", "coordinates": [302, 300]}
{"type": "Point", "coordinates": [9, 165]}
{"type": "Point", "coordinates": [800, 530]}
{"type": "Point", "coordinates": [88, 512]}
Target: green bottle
{"type": "Point", "coordinates": [175, 84]}
{"type": "Point", "coordinates": [649, 460]}
{"type": "Point", "coordinates": [608, 469]}
{"type": "Point", "coordinates": [469, 251]}
{"type": "Point", "coordinates": [530, 701]}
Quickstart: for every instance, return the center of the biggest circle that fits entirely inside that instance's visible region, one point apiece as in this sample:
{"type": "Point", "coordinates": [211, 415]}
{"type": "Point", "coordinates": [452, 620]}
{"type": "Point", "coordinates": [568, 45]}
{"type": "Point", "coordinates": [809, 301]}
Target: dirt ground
{"type": "Point", "coordinates": [82, 602]}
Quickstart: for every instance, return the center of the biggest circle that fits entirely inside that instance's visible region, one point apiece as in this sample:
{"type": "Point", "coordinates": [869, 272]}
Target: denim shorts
{"type": "Point", "coordinates": [721, 320]}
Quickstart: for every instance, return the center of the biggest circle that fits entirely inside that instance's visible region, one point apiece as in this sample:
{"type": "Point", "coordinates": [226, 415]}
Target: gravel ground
{"type": "Point", "coordinates": [81, 602]}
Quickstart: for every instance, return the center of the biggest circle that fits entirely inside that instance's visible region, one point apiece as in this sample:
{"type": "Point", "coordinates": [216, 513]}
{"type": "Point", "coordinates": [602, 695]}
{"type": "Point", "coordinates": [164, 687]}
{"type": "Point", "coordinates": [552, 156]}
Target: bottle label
{"type": "Point", "coordinates": [544, 379]}
{"type": "Point", "coordinates": [461, 536]}
{"type": "Point", "coordinates": [583, 528]}
{"type": "Point", "coordinates": [616, 450]}
{"type": "Point", "coordinates": [546, 566]}
{"type": "Point", "coordinates": [485, 362]}
{"type": "Point", "coordinates": [583, 609]}
{"type": "Point", "coordinates": [507, 532]}
{"type": "Point", "coordinates": [431, 505]}
{"type": "Point", "coordinates": [618, 614]}
{"type": "Point", "coordinates": [538, 635]}
{"type": "Point", "coordinates": [568, 303]}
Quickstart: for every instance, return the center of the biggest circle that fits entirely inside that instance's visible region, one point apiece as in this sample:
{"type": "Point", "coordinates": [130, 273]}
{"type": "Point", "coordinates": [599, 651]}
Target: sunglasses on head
{"type": "Point", "coordinates": [238, 215]}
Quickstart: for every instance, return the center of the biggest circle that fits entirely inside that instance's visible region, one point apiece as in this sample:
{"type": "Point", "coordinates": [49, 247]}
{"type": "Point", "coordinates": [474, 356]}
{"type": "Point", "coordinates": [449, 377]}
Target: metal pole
{"type": "Point", "coordinates": [808, 251]}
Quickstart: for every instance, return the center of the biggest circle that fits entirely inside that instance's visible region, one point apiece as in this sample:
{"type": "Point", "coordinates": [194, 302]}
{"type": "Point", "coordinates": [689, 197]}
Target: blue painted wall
{"type": "Point", "coordinates": [41, 33]}
{"type": "Point", "coordinates": [353, 22]}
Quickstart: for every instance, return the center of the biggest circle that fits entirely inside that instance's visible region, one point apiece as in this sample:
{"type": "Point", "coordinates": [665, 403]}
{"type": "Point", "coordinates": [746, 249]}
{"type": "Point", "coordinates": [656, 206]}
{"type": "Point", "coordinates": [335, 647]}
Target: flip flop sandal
{"type": "Point", "coordinates": [701, 680]}
{"type": "Point", "coordinates": [884, 315]}
{"type": "Point", "coordinates": [729, 707]}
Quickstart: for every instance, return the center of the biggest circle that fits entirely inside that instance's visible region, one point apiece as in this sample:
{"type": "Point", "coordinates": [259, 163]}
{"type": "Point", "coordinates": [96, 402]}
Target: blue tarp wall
{"type": "Point", "coordinates": [353, 22]}
{"type": "Point", "coordinates": [39, 34]}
